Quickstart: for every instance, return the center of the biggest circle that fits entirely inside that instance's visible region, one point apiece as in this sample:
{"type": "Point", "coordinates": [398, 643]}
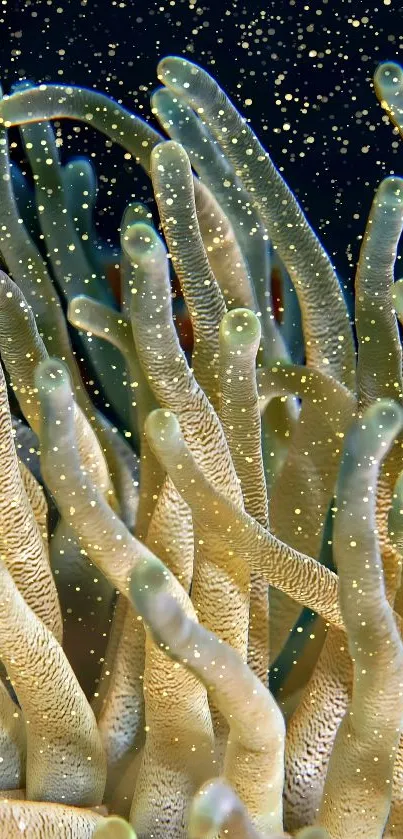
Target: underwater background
{"type": "Point", "coordinates": [300, 72]}
{"type": "Point", "coordinates": [221, 408]}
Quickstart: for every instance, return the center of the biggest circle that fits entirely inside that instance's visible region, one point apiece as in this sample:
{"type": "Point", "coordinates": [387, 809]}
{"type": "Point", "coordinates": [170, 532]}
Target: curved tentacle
{"type": "Point", "coordinates": [253, 762]}
{"type": "Point", "coordinates": [240, 417]}
{"type": "Point", "coordinates": [237, 534]}
{"type": "Point", "coordinates": [175, 700]}
{"type": "Point", "coordinates": [325, 316]}
{"type": "Point", "coordinates": [368, 736]}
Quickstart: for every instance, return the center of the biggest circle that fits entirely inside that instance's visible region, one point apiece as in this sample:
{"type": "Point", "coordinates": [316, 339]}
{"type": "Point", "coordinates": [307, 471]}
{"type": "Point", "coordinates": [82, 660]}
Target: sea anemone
{"type": "Point", "coordinates": [152, 594]}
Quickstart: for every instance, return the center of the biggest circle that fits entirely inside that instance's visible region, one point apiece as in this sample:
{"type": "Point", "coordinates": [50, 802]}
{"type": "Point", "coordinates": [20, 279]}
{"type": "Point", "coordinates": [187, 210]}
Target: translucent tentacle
{"type": "Point", "coordinates": [86, 599]}
{"type": "Point", "coordinates": [305, 486]}
{"type": "Point", "coordinates": [26, 264]}
{"type": "Point", "coordinates": [80, 188]}
{"type": "Point", "coordinates": [152, 477]}
{"type": "Point", "coordinates": [324, 312]}
{"type": "Point", "coordinates": [253, 762]}
{"type": "Point", "coordinates": [379, 369]}
{"type": "Point", "coordinates": [64, 752]}
{"type": "Point", "coordinates": [167, 521]}
{"type": "Point", "coordinates": [217, 809]}
{"type": "Point", "coordinates": [22, 547]}
{"type": "Point", "coordinates": [182, 125]}
{"type": "Point", "coordinates": [240, 417]}
{"type": "Point", "coordinates": [113, 827]}
{"type": "Point", "coordinates": [175, 701]}
{"type": "Point", "coordinates": [388, 83]}
{"type": "Point", "coordinates": [368, 736]}
{"type": "Point", "coordinates": [70, 266]}
{"type": "Point", "coordinates": [121, 718]}
{"type": "Point", "coordinates": [22, 350]}
{"type": "Point", "coordinates": [223, 253]}
{"type": "Point", "coordinates": [173, 186]}
{"type": "Point", "coordinates": [233, 531]}
{"type": "Point", "coordinates": [58, 101]}
{"type": "Point", "coordinates": [73, 273]}
{"type": "Point", "coordinates": [176, 389]}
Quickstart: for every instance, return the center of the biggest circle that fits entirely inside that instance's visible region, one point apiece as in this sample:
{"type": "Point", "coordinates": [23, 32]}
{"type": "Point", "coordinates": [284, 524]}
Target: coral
{"type": "Point", "coordinates": [148, 592]}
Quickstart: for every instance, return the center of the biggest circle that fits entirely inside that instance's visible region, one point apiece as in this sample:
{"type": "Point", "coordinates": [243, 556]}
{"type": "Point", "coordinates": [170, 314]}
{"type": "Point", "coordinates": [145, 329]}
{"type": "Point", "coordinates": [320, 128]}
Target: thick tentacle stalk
{"type": "Point", "coordinates": [358, 787]}
{"type": "Point", "coordinates": [253, 758]}
{"type": "Point", "coordinates": [300, 250]}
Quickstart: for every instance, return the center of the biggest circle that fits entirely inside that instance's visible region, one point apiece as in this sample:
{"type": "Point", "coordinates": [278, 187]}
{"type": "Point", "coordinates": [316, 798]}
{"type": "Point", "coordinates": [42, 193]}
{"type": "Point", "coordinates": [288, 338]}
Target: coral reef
{"type": "Point", "coordinates": [151, 594]}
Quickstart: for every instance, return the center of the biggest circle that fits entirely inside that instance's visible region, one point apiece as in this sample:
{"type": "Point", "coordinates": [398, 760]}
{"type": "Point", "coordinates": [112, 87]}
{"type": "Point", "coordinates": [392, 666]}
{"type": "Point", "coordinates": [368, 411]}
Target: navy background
{"type": "Point", "coordinates": [335, 150]}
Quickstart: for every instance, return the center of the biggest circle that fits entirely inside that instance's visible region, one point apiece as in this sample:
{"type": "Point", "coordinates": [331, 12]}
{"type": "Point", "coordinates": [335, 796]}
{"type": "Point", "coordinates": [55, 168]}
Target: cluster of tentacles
{"type": "Point", "coordinates": [141, 619]}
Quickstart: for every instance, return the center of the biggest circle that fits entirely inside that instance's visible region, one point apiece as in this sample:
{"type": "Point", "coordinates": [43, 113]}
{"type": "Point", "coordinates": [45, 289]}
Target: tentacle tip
{"type": "Point", "coordinates": [388, 77]}
{"type": "Point", "coordinates": [391, 191]}
{"type": "Point", "coordinates": [166, 154]}
{"type": "Point", "coordinates": [174, 71]}
{"type": "Point", "coordinates": [151, 599]}
{"type": "Point", "coordinates": [51, 377]}
{"type": "Point", "coordinates": [162, 427]}
{"type": "Point", "coordinates": [113, 827]}
{"type": "Point", "coordinates": [140, 241]}
{"type": "Point", "coordinates": [73, 306]}
{"type": "Point", "coordinates": [386, 413]}
{"type": "Point", "coordinates": [148, 578]}
{"type": "Point", "coordinates": [210, 809]}
{"type": "Point", "coordinates": [240, 328]}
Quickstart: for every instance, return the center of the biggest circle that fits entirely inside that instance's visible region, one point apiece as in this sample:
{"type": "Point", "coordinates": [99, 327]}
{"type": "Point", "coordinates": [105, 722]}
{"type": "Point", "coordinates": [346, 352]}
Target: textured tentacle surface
{"type": "Point", "coordinates": [240, 489]}
{"type": "Point", "coordinates": [368, 736]}
{"type": "Point", "coordinates": [300, 576]}
{"type": "Point", "coordinates": [305, 259]}
{"type": "Point", "coordinates": [379, 370]}
{"type": "Point", "coordinates": [240, 416]}
{"type": "Point", "coordinates": [46, 821]}
{"type": "Point", "coordinates": [258, 780]}
{"type": "Point", "coordinates": [64, 753]}
{"type": "Point", "coordinates": [22, 548]}
{"type": "Point", "coordinates": [176, 388]}
{"type": "Point", "coordinates": [173, 185]}
{"type": "Point", "coordinates": [110, 545]}
{"type": "Point", "coordinates": [217, 808]}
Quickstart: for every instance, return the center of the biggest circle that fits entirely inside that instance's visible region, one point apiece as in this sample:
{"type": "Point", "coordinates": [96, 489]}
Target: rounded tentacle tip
{"type": "Point", "coordinates": [211, 808]}
{"type": "Point", "coordinates": [385, 417]}
{"type": "Point", "coordinates": [161, 100]}
{"type": "Point", "coordinates": [388, 78]}
{"type": "Point", "coordinates": [240, 328]}
{"type": "Point", "coordinates": [162, 428]}
{"type": "Point", "coordinates": [150, 597]}
{"type": "Point", "coordinates": [141, 242]}
{"type": "Point", "coordinates": [371, 436]}
{"type": "Point", "coordinates": [390, 191]}
{"type": "Point", "coordinates": [75, 307]}
{"type": "Point", "coordinates": [167, 154]}
{"type": "Point", "coordinates": [148, 576]}
{"type": "Point", "coordinates": [175, 71]}
{"type": "Point", "coordinates": [113, 827]}
{"type": "Point", "coordinates": [53, 385]}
